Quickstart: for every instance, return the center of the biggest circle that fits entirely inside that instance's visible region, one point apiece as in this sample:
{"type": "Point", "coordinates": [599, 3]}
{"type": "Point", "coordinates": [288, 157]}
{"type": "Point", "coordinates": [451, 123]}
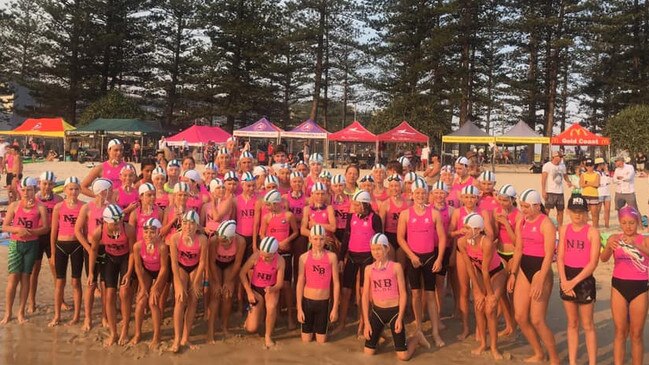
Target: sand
{"type": "Point", "coordinates": [35, 343]}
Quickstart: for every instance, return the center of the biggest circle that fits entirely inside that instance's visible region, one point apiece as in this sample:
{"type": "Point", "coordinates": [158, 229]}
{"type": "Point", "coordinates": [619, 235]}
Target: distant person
{"type": "Point", "coordinates": [3, 152]}
{"type": "Point", "coordinates": [624, 180]}
{"type": "Point", "coordinates": [552, 176]}
{"type": "Point", "coordinates": [425, 156]}
{"type": "Point", "coordinates": [640, 162]}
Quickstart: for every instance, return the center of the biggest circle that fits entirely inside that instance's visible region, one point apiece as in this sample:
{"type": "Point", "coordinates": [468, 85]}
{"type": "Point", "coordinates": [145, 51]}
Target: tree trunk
{"type": "Point", "coordinates": [75, 40]}
{"type": "Point", "coordinates": [317, 84]}
{"type": "Point", "coordinates": [532, 79]}
{"type": "Point", "coordinates": [172, 95]}
{"type": "Point", "coordinates": [325, 102]}
{"type": "Point", "coordinates": [553, 72]}
{"type": "Point", "coordinates": [564, 96]}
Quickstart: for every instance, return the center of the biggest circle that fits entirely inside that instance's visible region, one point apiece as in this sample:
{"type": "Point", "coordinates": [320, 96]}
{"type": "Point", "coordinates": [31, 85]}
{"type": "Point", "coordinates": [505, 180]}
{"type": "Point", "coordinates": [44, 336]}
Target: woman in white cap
{"type": "Point", "coordinates": [469, 196]}
{"type": "Point", "coordinates": [110, 169]}
{"type": "Point", "coordinates": [45, 196]}
{"type": "Point", "coordinates": [296, 199]}
{"type": "Point", "coordinates": [325, 178]}
{"type": "Point", "coordinates": [232, 187]}
{"type": "Point", "coordinates": [90, 217]}
{"type": "Point", "coordinates": [260, 173]}
{"type": "Point", "coordinates": [384, 301]}
{"type": "Point", "coordinates": [284, 176]}
{"type": "Point", "coordinates": [151, 262]}
{"type": "Point", "coordinates": [405, 164]}
{"type": "Point", "coordinates": [577, 259]}
{"type": "Point", "coordinates": [318, 270]}
{"type": "Point", "coordinates": [209, 174]}
{"type": "Point", "coordinates": [172, 219]}
{"type": "Point", "coordinates": [263, 287]}
{"type": "Point", "coordinates": [488, 279]}
{"type": "Point", "coordinates": [125, 195]}
{"type": "Point", "coordinates": [531, 278]}
{"type": "Point", "coordinates": [222, 162]}
{"type": "Point", "coordinates": [315, 168]}
{"type": "Point", "coordinates": [246, 162]}
{"type": "Point", "coordinates": [390, 210]}
{"type": "Point", "coordinates": [145, 210]}
{"type": "Point", "coordinates": [487, 183]}
{"type": "Point", "coordinates": [117, 238]}
{"type": "Point", "coordinates": [462, 177]}
{"type": "Point", "coordinates": [408, 179]}
{"type": "Point", "coordinates": [159, 177]}
{"type": "Point", "coordinates": [225, 259]}
{"type": "Point", "coordinates": [281, 224]}
{"type": "Point", "coordinates": [507, 217]}
{"type": "Point", "coordinates": [26, 219]}
{"type": "Point", "coordinates": [340, 203]}
{"type": "Point", "coordinates": [188, 251]}
{"type": "Point", "coordinates": [66, 247]}
{"type": "Point", "coordinates": [173, 175]}
{"type": "Point", "coordinates": [422, 237]}
{"type": "Point", "coordinates": [262, 209]}
{"type": "Point", "coordinates": [380, 192]}
{"type": "Point", "coordinates": [366, 183]}
{"type": "Point", "coordinates": [355, 251]}
{"type": "Point", "coordinates": [217, 210]}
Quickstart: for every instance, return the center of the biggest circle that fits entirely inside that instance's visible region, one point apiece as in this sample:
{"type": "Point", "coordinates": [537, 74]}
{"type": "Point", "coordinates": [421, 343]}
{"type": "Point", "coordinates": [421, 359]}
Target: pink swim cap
{"type": "Point", "coordinates": [628, 212]}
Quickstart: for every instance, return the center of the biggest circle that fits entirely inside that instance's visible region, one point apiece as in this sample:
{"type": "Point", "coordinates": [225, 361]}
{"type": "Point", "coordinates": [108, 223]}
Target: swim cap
{"type": "Point", "coordinates": [362, 196]}
{"type": "Point", "coordinates": [231, 139]}
{"type": "Point", "coordinates": [259, 170]}
{"type": "Point", "coordinates": [470, 190]}
{"type": "Point", "coordinates": [474, 220]}
{"type": "Point", "coordinates": [269, 245]}
{"type": "Point", "coordinates": [325, 175]}
{"type": "Point", "coordinates": [316, 158]}
{"type": "Point", "coordinates": [128, 167]}
{"type": "Point", "coordinates": [281, 166]}
{"type": "Point", "coordinates": [338, 179]}
{"type": "Point", "coordinates": [48, 176]}
{"type": "Point", "coordinates": [173, 163]}
{"type": "Point", "coordinates": [507, 190]}
{"type": "Point", "coordinates": [72, 180]}
{"type": "Point", "coordinates": [380, 239]}
{"type": "Point", "coordinates": [273, 196]}
{"type": "Point", "coordinates": [419, 184]}
{"type": "Point", "coordinates": [531, 196]}
{"type": "Point", "coordinates": [318, 187]}
{"type": "Point", "coordinates": [112, 213]}
{"type": "Point", "coordinates": [215, 184]}
{"type": "Point", "coordinates": [230, 175]}
{"type": "Point", "coordinates": [404, 161]}
{"type": "Point", "coordinates": [378, 166]}
{"type": "Point", "coordinates": [192, 175]}
{"type": "Point", "coordinates": [271, 179]}
{"type": "Point", "coordinates": [227, 229]}
{"type": "Point", "coordinates": [247, 176]}
{"type": "Point", "coordinates": [395, 177]}
{"type": "Point", "coordinates": [114, 142]}
{"type": "Point", "coordinates": [440, 185]}
{"type": "Point", "coordinates": [462, 161]}
{"type": "Point", "coordinates": [448, 168]}
{"type": "Point", "coordinates": [210, 166]}
{"type": "Point", "coordinates": [366, 178]}
{"type": "Point", "coordinates": [100, 185]}
{"type": "Point", "coordinates": [158, 171]}
{"type": "Point", "coordinates": [145, 187]}
{"type": "Point", "coordinates": [628, 211]}
{"type": "Point", "coordinates": [27, 182]}
{"type": "Point", "coordinates": [296, 175]}
{"type": "Point", "coordinates": [411, 176]}
{"type": "Point", "coordinates": [191, 216]}
{"type": "Point", "coordinates": [487, 176]}
{"type": "Point", "coordinates": [181, 187]}
{"type": "Point", "coordinates": [223, 151]}
{"type": "Point", "coordinates": [318, 230]}
{"type": "Point", "coordinates": [246, 154]}
{"type": "Point", "coordinates": [152, 222]}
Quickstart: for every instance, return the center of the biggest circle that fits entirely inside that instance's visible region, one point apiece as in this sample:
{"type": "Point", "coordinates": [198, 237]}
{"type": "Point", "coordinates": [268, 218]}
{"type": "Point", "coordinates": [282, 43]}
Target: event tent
{"type": "Point", "coordinates": [403, 133]}
{"type": "Point", "coordinates": [521, 133]}
{"type": "Point", "coordinates": [579, 136]}
{"type": "Point", "coordinates": [118, 127]}
{"type": "Point", "coordinates": [41, 127]}
{"type": "Point", "coordinates": [198, 135]}
{"type": "Point", "coordinates": [262, 128]}
{"type": "Point", "coordinates": [307, 130]}
{"type": "Point", "coordinates": [354, 132]}
{"type": "Point", "coordinates": [468, 133]}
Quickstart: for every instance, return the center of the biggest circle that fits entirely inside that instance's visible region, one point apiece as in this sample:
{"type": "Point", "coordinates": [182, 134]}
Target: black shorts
{"type": "Point", "coordinates": [288, 267]}
{"type": "Point", "coordinates": [114, 269]}
{"type": "Point", "coordinates": [248, 251]}
{"type": "Point", "coordinates": [356, 261]}
{"type": "Point", "coordinates": [381, 317]}
{"type": "Point", "coordinates": [340, 234]}
{"type": "Point", "coordinates": [316, 316]}
{"type": "Point", "coordinates": [392, 238]}
{"type": "Point", "coordinates": [445, 261]}
{"type": "Point", "coordinates": [422, 273]}
{"type": "Point", "coordinates": [99, 264]}
{"type": "Point", "coordinates": [530, 265]}
{"type": "Point", "coordinates": [44, 247]}
{"type": "Point", "coordinates": [630, 289]}
{"type": "Point", "coordinates": [259, 289]}
{"type": "Point", "coordinates": [585, 290]}
{"type": "Point", "coordinates": [68, 251]}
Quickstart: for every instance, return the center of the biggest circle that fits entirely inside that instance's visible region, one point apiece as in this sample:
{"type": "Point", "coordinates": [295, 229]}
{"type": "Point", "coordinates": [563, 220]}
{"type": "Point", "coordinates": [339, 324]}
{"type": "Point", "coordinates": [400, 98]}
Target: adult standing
{"type": "Point", "coordinates": [109, 170]}
{"type": "Point", "coordinates": [3, 151]}
{"type": "Point", "coordinates": [425, 156]}
{"type": "Point", "coordinates": [624, 180]}
{"type": "Point", "coordinates": [552, 176]}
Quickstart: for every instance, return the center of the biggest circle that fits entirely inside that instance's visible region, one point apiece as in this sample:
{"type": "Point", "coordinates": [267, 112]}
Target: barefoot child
{"type": "Point", "coordinates": [26, 219]}
{"type": "Point", "coordinates": [263, 287]}
{"type": "Point", "coordinates": [384, 302]}
{"type": "Point", "coordinates": [318, 269]}
{"type": "Point", "coordinates": [151, 260]}
{"type": "Point", "coordinates": [66, 247]}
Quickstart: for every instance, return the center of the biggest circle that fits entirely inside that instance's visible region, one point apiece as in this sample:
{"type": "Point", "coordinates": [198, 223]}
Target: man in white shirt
{"type": "Point", "coordinates": [425, 156]}
{"type": "Point", "coordinates": [624, 180]}
{"type": "Point", "coordinates": [552, 176]}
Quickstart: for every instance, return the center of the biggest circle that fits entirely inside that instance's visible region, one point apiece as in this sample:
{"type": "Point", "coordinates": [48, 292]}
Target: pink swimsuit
{"type": "Point", "coordinates": [384, 283]}
{"type": "Point", "coordinates": [124, 199]}
{"type": "Point", "coordinates": [264, 274]}
{"type": "Point", "coordinates": [392, 215]}
{"type": "Point", "coordinates": [361, 233]}
{"type": "Point", "coordinates": [278, 227]}
{"type": "Point", "coordinates": [296, 205]}
{"type": "Point", "coordinates": [245, 215]}
{"type": "Point", "coordinates": [162, 201]}
{"type": "Point", "coordinates": [30, 219]}
{"type": "Point", "coordinates": [111, 173]}
{"type": "Point", "coordinates": [341, 210]}
{"type": "Point", "coordinates": [150, 261]}
{"type": "Point", "coordinates": [189, 256]}
{"type": "Point", "coordinates": [533, 240]}
{"type": "Point", "coordinates": [115, 246]}
{"type": "Point", "coordinates": [422, 233]}
{"type": "Point", "coordinates": [503, 235]}
{"type": "Point", "coordinates": [317, 272]}
{"type": "Point", "coordinates": [226, 254]}
{"type": "Point", "coordinates": [68, 218]}
{"type": "Point", "coordinates": [141, 218]}
{"type": "Point", "coordinates": [624, 268]}
{"type": "Point", "coordinates": [476, 256]}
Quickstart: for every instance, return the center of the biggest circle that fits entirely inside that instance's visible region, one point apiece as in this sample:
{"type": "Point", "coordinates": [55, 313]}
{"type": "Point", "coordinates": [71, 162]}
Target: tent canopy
{"type": "Point", "coordinates": [404, 133]}
{"type": "Point", "coordinates": [121, 127]}
{"type": "Point", "coordinates": [468, 133]}
{"type": "Point", "coordinates": [262, 128]}
{"type": "Point", "coordinates": [354, 132]}
{"type": "Point", "coordinates": [579, 136]}
{"type": "Point", "coordinates": [307, 130]}
{"type": "Point", "coordinates": [523, 134]}
{"type": "Point", "coordinates": [41, 127]}
{"type": "Point", "coordinates": [198, 135]}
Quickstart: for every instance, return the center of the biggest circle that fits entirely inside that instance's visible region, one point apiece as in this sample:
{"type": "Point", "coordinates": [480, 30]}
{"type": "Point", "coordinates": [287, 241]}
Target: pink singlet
{"type": "Point", "coordinates": [421, 232]}
{"type": "Point", "coordinates": [264, 274]}
{"type": "Point", "coordinates": [111, 173]}
{"type": "Point", "coordinates": [188, 256]}
{"type": "Point", "coordinates": [624, 268]}
{"type": "Point", "coordinates": [141, 218]}
{"type": "Point", "coordinates": [317, 272]}
{"type": "Point", "coordinates": [341, 210]}
{"type": "Point", "coordinates": [68, 218]}
{"type": "Point", "coordinates": [278, 227]}
{"type": "Point", "coordinates": [476, 256]}
{"type": "Point", "coordinates": [385, 285]}
{"type": "Point", "coordinates": [503, 235]}
{"type": "Point", "coordinates": [150, 261]}
{"type": "Point", "coordinates": [245, 215]}
{"type": "Point", "coordinates": [296, 205]}
{"type": "Point", "coordinates": [361, 232]}
{"type": "Point", "coordinates": [30, 219]}
{"type": "Point", "coordinates": [115, 246]}
{"type": "Point", "coordinates": [392, 215]}
{"type": "Point", "coordinates": [577, 247]}
{"type": "Point", "coordinates": [533, 240]}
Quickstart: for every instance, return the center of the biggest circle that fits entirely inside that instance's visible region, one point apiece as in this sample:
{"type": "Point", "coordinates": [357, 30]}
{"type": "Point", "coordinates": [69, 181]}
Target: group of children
{"type": "Point", "coordinates": [301, 239]}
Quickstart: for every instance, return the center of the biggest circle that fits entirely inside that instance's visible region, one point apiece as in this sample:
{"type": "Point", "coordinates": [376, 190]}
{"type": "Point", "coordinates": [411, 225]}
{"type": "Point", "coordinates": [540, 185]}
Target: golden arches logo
{"type": "Point", "coordinates": [577, 132]}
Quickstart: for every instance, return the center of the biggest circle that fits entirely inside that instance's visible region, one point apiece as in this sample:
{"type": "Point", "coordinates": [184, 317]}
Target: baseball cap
{"type": "Point", "coordinates": [589, 162]}
{"type": "Point", "coordinates": [599, 160]}
{"type": "Point", "coordinates": [577, 203]}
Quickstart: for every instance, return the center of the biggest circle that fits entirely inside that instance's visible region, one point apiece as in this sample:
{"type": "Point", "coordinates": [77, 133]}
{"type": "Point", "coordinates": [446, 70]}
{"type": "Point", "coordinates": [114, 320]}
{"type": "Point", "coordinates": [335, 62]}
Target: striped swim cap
{"type": "Point", "coordinates": [380, 239]}
{"type": "Point", "coordinates": [27, 182]}
{"type": "Point", "coordinates": [181, 187]}
{"type": "Point", "coordinates": [462, 161]}
{"type": "Point", "coordinates": [215, 184]}
{"type": "Point", "coordinates": [366, 178]}
{"type": "Point", "coordinates": [474, 220]}
{"type": "Point", "coordinates": [145, 188]}
{"type": "Point", "coordinates": [173, 163]}
{"type": "Point", "coordinates": [273, 196]}
{"type": "Point", "coordinates": [114, 142]}
{"type": "Point", "coordinates": [159, 171]}
{"type": "Point", "coordinates": [448, 168]}
{"type": "Point", "coordinates": [246, 154]}
{"type": "Point", "coordinates": [316, 158]}
{"type": "Point", "coordinates": [247, 176]}
{"type": "Point", "coordinates": [362, 196]}
{"type": "Point", "coordinates": [470, 190]}
{"type": "Point", "coordinates": [72, 180]}
{"type": "Point", "coordinates": [411, 176]}
{"type": "Point", "coordinates": [317, 230]}
{"type": "Point", "coordinates": [112, 213]}
{"type": "Point", "coordinates": [318, 187]}
{"type": "Point", "coordinates": [507, 190]}
{"type": "Point", "coordinates": [404, 161]}
{"type": "Point", "coordinates": [395, 177]}
{"type": "Point", "coordinates": [223, 151]}
{"type": "Point", "coordinates": [259, 170]}
{"type": "Point", "coordinates": [230, 175]}
{"type": "Point", "coordinates": [338, 179]}
{"type": "Point", "coordinates": [487, 176]}
{"type": "Point", "coordinates": [152, 222]}
{"type": "Point", "coordinates": [440, 185]}
{"type": "Point", "coordinates": [531, 196]}
{"type": "Point", "coordinates": [419, 184]}
{"type": "Point", "coordinates": [129, 168]}
{"type": "Point", "coordinates": [210, 166]}
{"type": "Point", "coordinates": [48, 176]}
{"type": "Point", "coordinates": [378, 166]}
{"type": "Point", "coordinates": [296, 175]}
{"type": "Point", "coordinates": [325, 175]}
{"type": "Point", "coordinates": [269, 245]}
{"type": "Point", "coordinates": [227, 229]}
{"type": "Point", "coordinates": [191, 216]}
{"type": "Point", "coordinates": [271, 180]}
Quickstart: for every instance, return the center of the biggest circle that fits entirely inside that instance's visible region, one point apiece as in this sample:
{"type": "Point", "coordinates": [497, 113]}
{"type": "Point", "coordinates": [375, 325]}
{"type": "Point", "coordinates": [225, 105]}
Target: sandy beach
{"type": "Point", "coordinates": [35, 343]}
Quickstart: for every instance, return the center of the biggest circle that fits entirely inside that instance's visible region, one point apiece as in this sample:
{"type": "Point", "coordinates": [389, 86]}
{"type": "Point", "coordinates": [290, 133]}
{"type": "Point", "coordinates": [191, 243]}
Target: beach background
{"type": "Point", "coordinates": [35, 343]}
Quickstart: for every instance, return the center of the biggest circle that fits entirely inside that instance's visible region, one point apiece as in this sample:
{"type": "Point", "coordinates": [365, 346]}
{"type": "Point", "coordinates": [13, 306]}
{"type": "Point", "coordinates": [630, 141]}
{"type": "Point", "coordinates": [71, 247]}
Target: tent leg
{"type": "Point", "coordinates": [377, 158]}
